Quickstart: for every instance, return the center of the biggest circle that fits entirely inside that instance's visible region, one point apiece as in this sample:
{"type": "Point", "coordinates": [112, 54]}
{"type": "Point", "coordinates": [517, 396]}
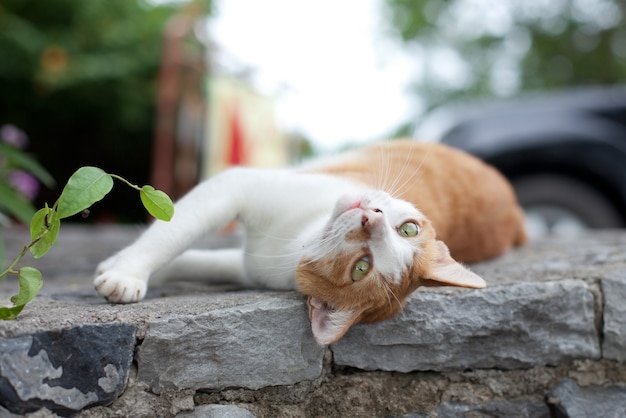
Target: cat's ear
{"type": "Point", "coordinates": [328, 324]}
{"type": "Point", "coordinates": [447, 272]}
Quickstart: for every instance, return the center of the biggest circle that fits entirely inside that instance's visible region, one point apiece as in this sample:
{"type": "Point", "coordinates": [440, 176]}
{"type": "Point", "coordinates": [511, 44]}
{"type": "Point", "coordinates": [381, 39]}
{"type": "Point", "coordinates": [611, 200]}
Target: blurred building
{"type": "Point", "coordinates": [242, 128]}
{"type": "Point", "coordinates": [208, 119]}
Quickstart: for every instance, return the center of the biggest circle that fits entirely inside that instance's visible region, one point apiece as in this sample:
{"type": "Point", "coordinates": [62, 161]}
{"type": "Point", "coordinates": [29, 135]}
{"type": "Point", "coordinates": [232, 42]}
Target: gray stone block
{"type": "Point", "coordinates": [65, 370]}
{"type": "Point", "coordinates": [413, 415]}
{"type": "Point", "coordinates": [614, 343]}
{"type": "Point", "coordinates": [511, 326]}
{"type": "Point", "coordinates": [570, 400]}
{"type": "Point", "coordinates": [509, 409]}
{"type": "Point", "coordinates": [253, 345]}
{"type": "Point", "coordinates": [5, 413]}
{"type": "Point", "coordinates": [217, 411]}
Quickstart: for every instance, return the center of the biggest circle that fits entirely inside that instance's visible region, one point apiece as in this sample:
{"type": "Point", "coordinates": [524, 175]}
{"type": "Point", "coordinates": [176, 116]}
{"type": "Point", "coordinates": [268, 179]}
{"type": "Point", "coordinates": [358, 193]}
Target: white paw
{"type": "Point", "coordinates": [119, 285]}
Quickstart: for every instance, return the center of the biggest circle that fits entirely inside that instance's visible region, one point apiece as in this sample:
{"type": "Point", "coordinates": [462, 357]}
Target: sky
{"type": "Point", "coordinates": [334, 74]}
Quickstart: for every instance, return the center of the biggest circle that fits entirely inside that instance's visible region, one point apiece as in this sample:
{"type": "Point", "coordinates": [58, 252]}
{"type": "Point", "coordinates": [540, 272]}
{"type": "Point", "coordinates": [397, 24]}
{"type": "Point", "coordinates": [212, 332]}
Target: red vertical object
{"type": "Point", "coordinates": [237, 141]}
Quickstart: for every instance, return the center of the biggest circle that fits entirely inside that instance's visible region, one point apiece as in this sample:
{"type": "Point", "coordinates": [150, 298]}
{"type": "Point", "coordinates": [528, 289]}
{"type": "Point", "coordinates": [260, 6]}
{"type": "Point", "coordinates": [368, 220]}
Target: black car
{"type": "Point", "coordinates": [564, 152]}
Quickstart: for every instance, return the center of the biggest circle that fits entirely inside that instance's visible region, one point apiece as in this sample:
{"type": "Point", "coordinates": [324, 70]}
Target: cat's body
{"type": "Point", "coordinates": [341, 231]}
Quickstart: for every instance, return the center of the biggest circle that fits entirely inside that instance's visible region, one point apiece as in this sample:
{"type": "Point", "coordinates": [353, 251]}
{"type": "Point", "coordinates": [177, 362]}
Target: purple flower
{"type": "Point", "coordinates": [13, 135]}
{"type": "Point", "coordinates": [25, 182]}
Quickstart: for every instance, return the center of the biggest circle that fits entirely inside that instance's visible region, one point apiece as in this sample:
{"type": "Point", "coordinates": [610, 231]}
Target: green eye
{"type": "Point", "coordinates": [361, 268]}
{"type": "Point", "coordinates": [408, 229]}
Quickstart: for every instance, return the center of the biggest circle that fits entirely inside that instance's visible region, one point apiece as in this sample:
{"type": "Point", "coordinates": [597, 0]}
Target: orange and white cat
{"type": "Point", "coordinates": [356, 233]}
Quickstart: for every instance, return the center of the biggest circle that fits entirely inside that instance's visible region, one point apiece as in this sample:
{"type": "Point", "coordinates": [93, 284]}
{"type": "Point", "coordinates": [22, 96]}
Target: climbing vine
{"type": "Point", "coordinates": [85, 187]}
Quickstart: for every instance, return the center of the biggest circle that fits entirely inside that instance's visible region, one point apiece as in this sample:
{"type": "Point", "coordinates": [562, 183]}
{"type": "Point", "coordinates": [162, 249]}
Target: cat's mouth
{"type": "Point", "coordinates": [319, 310]}
{"type": "Point", "coordinates": [328, 323]}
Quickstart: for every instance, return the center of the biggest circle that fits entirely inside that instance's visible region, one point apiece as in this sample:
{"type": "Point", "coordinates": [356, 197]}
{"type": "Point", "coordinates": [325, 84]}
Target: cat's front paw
{"type": "Point", "coordinates": [119, 287]}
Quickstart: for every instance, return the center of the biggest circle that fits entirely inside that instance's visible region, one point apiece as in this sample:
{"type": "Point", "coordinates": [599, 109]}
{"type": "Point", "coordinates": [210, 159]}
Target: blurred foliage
{"type": "Point", "coordinates": [80, 77]}
{"type": "Point", "coordinates": [486, 47]}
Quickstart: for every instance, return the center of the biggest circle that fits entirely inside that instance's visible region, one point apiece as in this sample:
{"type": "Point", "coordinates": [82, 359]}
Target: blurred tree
{"type": "Point", "coordinates": [80, 78]}
{"type": "Point", "coordinates": [501, 47]}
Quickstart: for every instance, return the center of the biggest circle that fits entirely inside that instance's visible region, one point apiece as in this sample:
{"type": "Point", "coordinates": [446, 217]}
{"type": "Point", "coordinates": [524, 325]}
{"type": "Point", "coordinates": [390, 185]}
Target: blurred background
{"type": "Point", "coordinates": [170, 92]}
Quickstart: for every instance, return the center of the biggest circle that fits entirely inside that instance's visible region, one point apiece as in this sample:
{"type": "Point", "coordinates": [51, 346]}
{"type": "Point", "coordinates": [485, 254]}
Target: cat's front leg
{"type": "Point", "coordinates": [211, 205]}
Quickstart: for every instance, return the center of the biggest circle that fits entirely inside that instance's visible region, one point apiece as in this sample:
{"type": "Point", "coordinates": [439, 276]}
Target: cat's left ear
{"type": "Point", "coordinates": [447, 272]}
{"type": "Point", "coordinates": [328, 324]}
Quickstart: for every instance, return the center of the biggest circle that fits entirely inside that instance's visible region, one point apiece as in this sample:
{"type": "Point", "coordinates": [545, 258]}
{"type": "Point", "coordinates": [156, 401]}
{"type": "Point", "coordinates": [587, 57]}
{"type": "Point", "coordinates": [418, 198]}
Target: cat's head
{"type": "Point", "coordinates": [372, 253]}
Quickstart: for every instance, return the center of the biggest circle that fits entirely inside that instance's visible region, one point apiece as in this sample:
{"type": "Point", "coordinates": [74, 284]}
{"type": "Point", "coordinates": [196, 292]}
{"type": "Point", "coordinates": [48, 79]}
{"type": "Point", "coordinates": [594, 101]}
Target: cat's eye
{"type": "Point", "coordinates": [408, 229]}
{"type": "Point", "coordinates": [361, 268]}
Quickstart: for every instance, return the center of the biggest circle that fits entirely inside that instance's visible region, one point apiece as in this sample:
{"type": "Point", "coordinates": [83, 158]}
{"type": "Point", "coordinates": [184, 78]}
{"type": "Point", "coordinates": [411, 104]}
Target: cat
{"type": "Point", "coordinates": [356, 233]}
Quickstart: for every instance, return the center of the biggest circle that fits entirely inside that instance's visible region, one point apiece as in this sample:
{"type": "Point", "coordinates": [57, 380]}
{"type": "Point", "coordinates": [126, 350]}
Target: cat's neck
{"type": "Point", "coordinates": [287, 221]}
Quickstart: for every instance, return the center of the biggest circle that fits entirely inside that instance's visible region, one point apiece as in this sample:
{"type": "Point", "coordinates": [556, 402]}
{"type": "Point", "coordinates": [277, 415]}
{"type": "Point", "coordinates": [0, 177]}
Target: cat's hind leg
{"type": "Point", "coordinates": [207, 266]}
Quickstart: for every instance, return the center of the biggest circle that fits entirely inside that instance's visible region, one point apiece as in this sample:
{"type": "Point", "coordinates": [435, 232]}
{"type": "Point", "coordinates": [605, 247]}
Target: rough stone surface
{"type": "Point", "coordinates": [65, 370]}
{"type": "Point", "coordinates": [560, 292]}
{"type": "Point", "coordinates": [570, 400]}
{"type": "Point", "coordinates": [614, 291]}
{"type": "Point", "coordinates": [5, 413]}
{"type": "Point", "coordinates": [138, 401]}
{"type": "Point", "coordinates": [265, 343]}
{"type": "Point", "coordinates": [505, 327]}
{"type": "Point", "coordinates": [356, 393]}
{"type": "Point", "coordinates": [217, 411]}
{"type": "Point", "coordinates": [517, 409]}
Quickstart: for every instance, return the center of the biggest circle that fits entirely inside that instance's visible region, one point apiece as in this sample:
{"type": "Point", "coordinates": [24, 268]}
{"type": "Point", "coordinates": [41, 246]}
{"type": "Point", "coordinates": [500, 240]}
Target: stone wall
{"type": "Point", "coordinates": [546, 338]}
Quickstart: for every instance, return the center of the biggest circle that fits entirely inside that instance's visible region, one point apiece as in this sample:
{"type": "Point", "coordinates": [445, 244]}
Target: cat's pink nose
{"type": "Point", "coordinates": [371, 217]}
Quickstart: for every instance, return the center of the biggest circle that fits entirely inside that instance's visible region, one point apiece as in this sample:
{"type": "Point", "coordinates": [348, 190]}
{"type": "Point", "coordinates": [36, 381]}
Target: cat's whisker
{"type": "Point", "coordinates": [379, 181]}
{"type": "Point", "coordinates": [272, 256]}
{"type": "Point", "coordinates": [328, 244]}
{"type": "Point", "coordinates": [266, 235]}
{"type": "Point", "coordinates": [385, 168]}
{"type": "Point", "coordinates": [394, 188]}
{"type": "Point", "coordinates": [390, 291]}
{"type": "Point", "coordinates": [383, 283]}
{"type": "Point", "coordinates": [398, 188]}
{"type": "Point", "coordinates": [414, 178]}
{"type": "Point", "coordinates": [278, 269]}
{"type": "Point", "coordinates": [325, 247]}
{"type": "Point", "coordinates": [277, 263]}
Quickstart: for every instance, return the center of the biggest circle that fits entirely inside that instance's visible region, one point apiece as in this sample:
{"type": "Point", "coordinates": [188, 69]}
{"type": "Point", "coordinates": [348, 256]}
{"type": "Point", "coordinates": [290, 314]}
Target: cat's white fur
{"type": "Point", "coordinates": [283, 212]}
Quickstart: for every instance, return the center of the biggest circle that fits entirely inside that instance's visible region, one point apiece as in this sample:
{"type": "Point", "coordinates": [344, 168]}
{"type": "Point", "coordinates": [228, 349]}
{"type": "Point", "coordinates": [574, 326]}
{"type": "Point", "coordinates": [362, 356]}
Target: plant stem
{"type": "Point", "coordinates": [123, 180]}
{"type": "Point", "coordinates": [10, 269]}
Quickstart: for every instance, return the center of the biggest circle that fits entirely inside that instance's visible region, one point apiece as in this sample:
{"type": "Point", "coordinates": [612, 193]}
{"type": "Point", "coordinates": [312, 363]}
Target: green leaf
{"type": "Point", "coordinates": [21, 160]}
{"type": "Point", "coordinates": [84, 188]}
{"type": "Point", "coordinates": [44, 229]}
{"type": "Point", "coordinates": [157, 203]}
{"type": "Point", "coordinates": [10, 313]}
{"type": "Point", "coordinates": [30, 283]}
{"type": "Point", "coordinates": [13, 203]}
